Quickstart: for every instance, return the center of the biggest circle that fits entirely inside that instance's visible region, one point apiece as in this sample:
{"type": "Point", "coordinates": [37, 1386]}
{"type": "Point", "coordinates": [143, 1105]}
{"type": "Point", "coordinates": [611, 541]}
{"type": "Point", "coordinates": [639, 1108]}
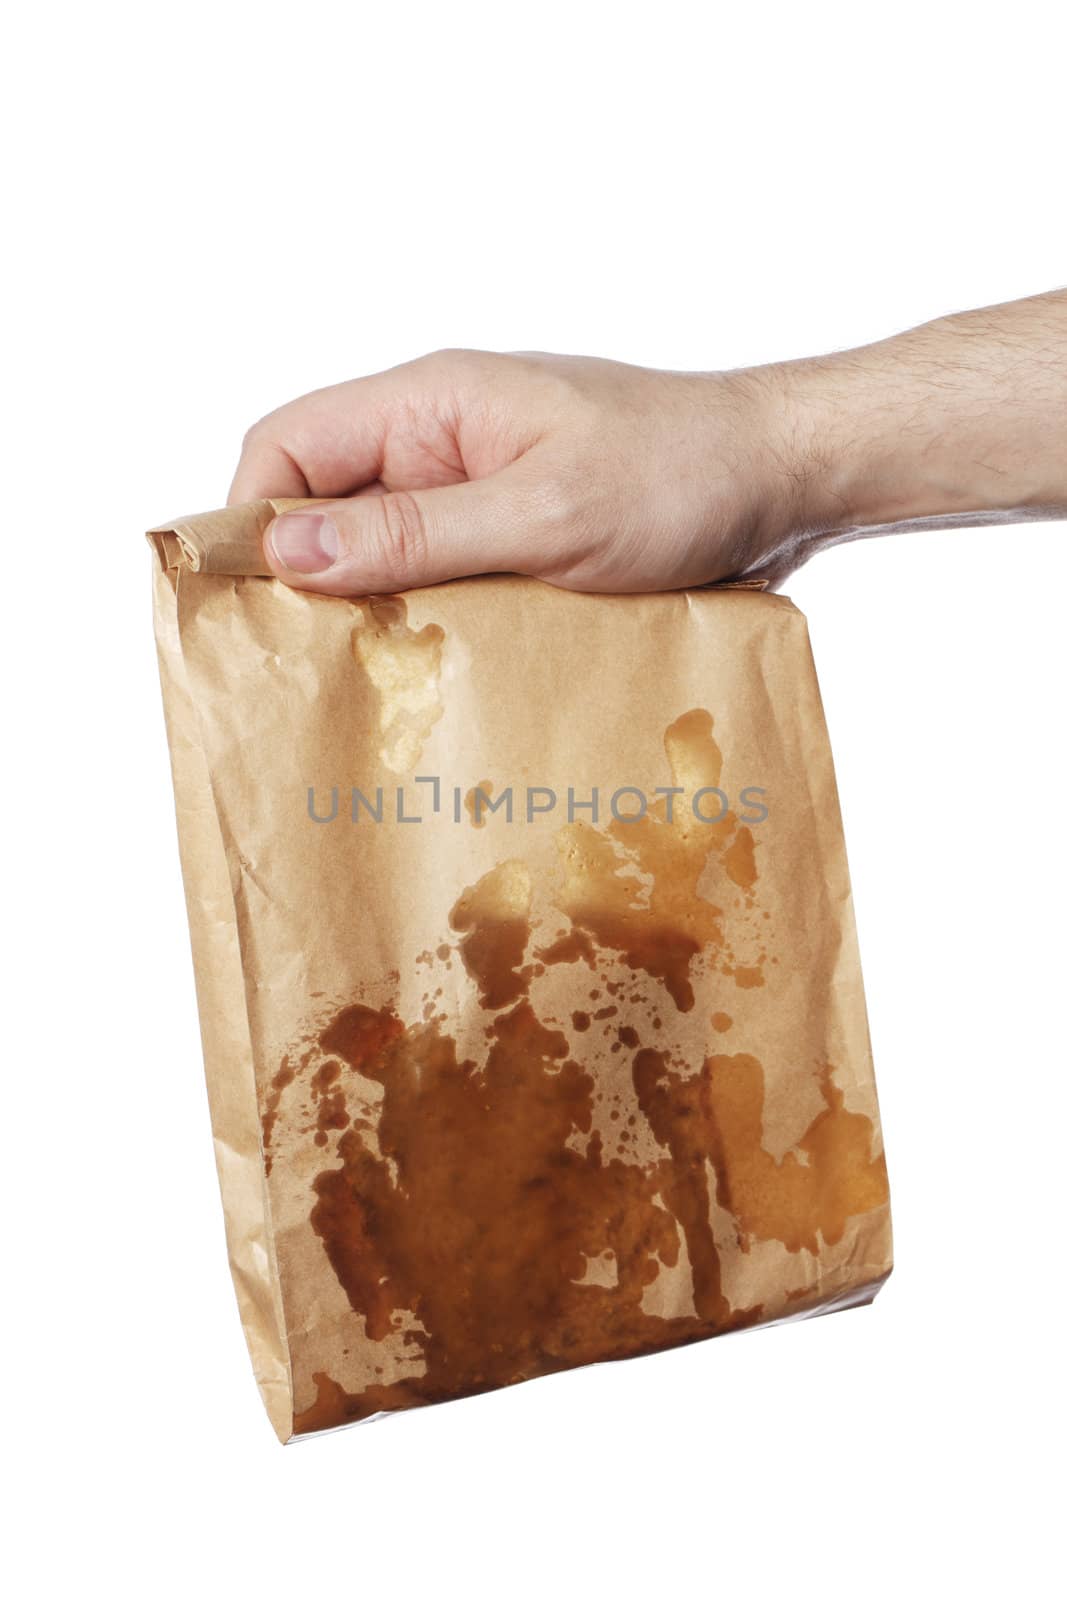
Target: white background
{"type": "Point", "coordinates": [216, 207]}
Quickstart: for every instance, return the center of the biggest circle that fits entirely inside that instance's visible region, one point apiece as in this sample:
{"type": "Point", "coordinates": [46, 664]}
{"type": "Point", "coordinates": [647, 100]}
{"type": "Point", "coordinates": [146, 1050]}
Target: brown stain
{"type": "Point", "coordinates": [359, 1036]}
{"type": "Point", "coordinates": [803, 1200]}
{"type": "Point", "coordinates": [405, 668]}
{"type": "Point", "coordinates": [473, 1216]}
{"type": "Point", "coordinates": [747, 977]}
{"type": "Point", "coordinates": [494, 918]}
{"type": "Point", "coordinates": [465, 1222]}
{"type": "Point", "coordinates": [473, 1223]}
{"type": "Point", "coordinates": [633, 886]}
{"type": "Point", "coordinates": [475, 800]}
{"type": "Point", "coordinates": [739, 860]}
{"type": "Point", "coordinates": [330, 1099]}
{"type": "Point", "coordinates": [278, 1085]}
{"type": "Point", "coordinates": [672, 1107]}
{"type": "Point", "coordinates": [573, 946]}
{"type": "Point", "coordinates": [329, 1409]}
{"type": "Point", "coordinates": [795, 1200]}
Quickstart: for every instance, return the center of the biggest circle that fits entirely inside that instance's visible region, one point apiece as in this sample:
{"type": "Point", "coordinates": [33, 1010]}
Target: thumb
{"type": "Point", "coordinates": [378, 543]}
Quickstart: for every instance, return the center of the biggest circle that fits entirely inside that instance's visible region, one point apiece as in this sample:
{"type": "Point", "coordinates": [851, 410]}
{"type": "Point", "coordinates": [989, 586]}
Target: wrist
{"type": "Point", "coordinates": [945, 421]}
{"type": "Point", "coordinates": [861, 443]}
{"type": "Point", "coordinates": [877, 442]}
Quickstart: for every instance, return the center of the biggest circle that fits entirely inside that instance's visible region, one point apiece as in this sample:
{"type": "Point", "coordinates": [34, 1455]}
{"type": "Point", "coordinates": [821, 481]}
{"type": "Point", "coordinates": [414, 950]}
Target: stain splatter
{"type": "Point", "coordinates": [475, 802]}
{"type": "Point", "coordinates": [465, 1219]}
{"type": "Point", "coordinates": [633, 887]}
{"type": "Point", "coordinates": [473, 1224]}
{"type": "Point", "coordinates": [405, 669]}
{"type": "Point", "coordinates": [330, 1099]}
{"type": "Point", "coordinates": [494, 917]}
{"type": "Point", "coordinates": [496, 1220]}
{"type": "Point", "coordinates": [739, 860]}
{"type": "Point", "coordinates": [278, 1085]}
{"type": "Point", "coordinates": [573, 946]}
{"type": "Point", "coordinates": [717, 1115]}
{"type": "Point", "coordinates": [812, 1192]}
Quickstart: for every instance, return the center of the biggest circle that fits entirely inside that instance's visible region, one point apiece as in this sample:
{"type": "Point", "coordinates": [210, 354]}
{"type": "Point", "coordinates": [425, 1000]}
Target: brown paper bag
{"type": "Point", "coordinates": [530, 996]}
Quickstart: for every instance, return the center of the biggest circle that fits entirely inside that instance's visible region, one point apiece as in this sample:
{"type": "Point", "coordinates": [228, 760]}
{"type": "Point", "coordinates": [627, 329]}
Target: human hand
{"type": "Point", "coordinates": [586, 473]}
{"type": "Point", "coordinates": [595, 475]}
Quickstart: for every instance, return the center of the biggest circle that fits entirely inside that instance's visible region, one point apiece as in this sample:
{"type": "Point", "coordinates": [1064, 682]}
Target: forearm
{"type": "Point", "coordinates": [961, 420]}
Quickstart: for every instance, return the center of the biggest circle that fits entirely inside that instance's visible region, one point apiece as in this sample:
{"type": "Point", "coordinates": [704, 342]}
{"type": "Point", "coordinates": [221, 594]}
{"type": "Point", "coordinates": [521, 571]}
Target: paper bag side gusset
{"type": "Point", "coordinates": [229, 1069]}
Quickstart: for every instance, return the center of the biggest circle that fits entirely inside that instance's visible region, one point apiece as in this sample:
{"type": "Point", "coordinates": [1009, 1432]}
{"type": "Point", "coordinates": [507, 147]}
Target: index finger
{"type": "Point", "coordinates": [329, 442]}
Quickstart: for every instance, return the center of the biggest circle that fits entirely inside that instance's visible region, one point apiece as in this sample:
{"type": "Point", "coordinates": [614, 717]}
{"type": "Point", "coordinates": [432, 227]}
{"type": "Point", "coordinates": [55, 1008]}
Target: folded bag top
{"type": "Point", "coordinates": [528, 981]}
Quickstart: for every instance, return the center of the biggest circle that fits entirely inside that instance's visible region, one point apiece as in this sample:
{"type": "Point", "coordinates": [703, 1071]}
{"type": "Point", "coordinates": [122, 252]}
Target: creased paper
{"type": "Point", "coordinates": [529, 989]}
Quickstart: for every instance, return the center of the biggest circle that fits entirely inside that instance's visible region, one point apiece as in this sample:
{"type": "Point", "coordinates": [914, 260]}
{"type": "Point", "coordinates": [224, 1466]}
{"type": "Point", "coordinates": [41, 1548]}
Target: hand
{"type": "Point", "coordinates": [594, 475]}
{"type": "Point", "coordinates": [585, 473]}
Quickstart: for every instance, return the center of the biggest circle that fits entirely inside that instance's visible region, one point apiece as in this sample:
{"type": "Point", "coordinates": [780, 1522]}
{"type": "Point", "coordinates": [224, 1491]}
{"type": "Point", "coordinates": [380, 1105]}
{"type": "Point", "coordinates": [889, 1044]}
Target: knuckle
{"type": "Point", "coordinates": [400, 539]}
{"type": "Point", "coordinates": [447, 359]}
{"type": "Point", "coordinates": [255, 435]}
{"type": "Point", "coordinates": [562, 502]}
{"type": "Point", "coordinates": [266, 436]}
{"type": "Point", "coordinates": [457, 363]}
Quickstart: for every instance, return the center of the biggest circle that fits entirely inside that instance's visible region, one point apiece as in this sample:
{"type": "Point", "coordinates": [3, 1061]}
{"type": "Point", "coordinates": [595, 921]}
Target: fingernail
{"type": "Point", "coordinates": [304, 541]}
